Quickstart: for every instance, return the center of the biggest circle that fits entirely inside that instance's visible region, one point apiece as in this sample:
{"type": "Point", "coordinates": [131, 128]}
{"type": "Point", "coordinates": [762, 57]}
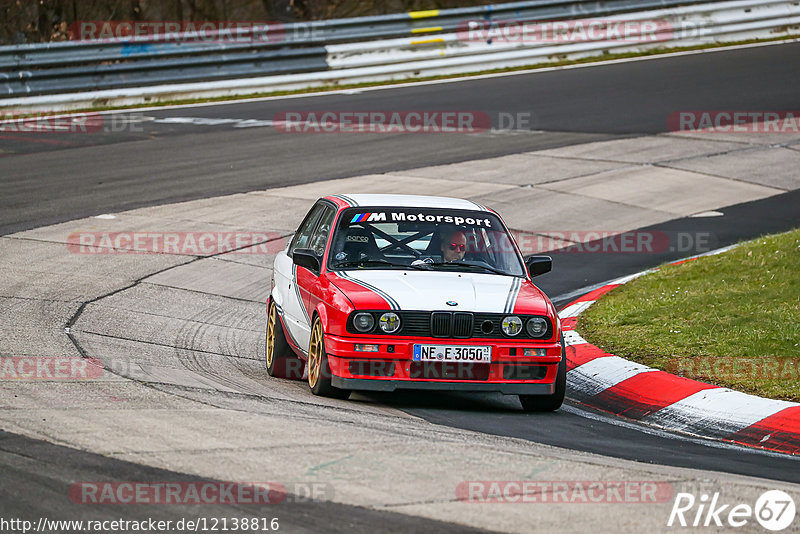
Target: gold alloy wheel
{"type": "Point", "coordinates": [315, 354]}
{"type": "Point", "coordinates": [273, 319]}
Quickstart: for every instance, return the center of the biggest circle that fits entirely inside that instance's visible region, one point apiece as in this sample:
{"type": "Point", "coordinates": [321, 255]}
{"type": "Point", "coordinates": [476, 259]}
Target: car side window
{"type": "Point", "coordinates": [303, 235]}
{"type": "Point", "coordinates": [320, 236]}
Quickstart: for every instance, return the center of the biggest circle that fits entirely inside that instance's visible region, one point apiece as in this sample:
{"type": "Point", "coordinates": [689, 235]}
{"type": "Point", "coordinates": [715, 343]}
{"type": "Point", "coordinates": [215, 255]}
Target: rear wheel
{"type": "Point", "coordinates": [319, 371]}
{"type": "Point", "coordinates": [281, 361]}
{"type": "Point", "coordinates": [552, 402]}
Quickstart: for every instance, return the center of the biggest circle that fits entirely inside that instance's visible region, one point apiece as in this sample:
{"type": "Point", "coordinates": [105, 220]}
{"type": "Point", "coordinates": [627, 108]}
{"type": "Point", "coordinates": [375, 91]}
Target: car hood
{"type": "Point", "coordinates": [430, 290]}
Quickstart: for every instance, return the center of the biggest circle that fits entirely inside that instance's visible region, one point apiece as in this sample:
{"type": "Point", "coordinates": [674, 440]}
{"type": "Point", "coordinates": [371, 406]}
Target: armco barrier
{"type": "Point", "coordinates": [69, 75]}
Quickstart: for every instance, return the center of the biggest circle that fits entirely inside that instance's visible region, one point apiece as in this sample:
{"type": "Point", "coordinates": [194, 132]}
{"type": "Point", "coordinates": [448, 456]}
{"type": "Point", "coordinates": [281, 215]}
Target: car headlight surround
{"type": "Point", "coordinates": [511, 325]}
{"type": "Point", "coordinates": [389, 322]}
{"type": "Point", "coordinates": [536, 327]}
{"type": "Point", "coordinates": [363, 322]}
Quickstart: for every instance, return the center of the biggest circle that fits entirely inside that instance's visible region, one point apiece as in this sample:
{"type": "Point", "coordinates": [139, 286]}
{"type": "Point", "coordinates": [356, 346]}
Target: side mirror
{"type": "Point", "coordinates": [305, 257]}
{"type": "Point", "coordinates": [538, 265]}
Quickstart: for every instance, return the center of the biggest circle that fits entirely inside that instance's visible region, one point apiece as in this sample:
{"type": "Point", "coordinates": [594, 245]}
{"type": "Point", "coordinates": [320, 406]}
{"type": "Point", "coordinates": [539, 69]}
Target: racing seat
{"type": "Point", "coordinates": [434, 245]}
{"type": "Point", "coordinates": [359, 244]}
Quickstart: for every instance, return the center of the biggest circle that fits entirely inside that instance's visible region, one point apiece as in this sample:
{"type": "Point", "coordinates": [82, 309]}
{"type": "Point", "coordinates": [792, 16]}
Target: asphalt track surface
{"type": "Point", "coordinates": [46, 179]}
{"type": "Point", "coordinates": [37, 476]}
{"type": "Point", "coordinates": [50, 178]}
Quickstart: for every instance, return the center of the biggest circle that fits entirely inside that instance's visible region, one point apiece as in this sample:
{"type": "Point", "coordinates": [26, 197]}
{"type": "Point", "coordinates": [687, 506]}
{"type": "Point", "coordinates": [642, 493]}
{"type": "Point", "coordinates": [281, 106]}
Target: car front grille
{"type": "Point", "coordinates": [452, 325]}
{"type": "Point", "coordinates": [462, 324]}
{"type": "Point", "coordinates": [441, 324]}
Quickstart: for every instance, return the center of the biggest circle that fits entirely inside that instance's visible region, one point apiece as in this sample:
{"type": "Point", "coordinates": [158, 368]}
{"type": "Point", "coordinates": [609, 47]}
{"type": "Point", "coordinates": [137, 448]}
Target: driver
{"type": "Point", "coordinates": [453, 245]}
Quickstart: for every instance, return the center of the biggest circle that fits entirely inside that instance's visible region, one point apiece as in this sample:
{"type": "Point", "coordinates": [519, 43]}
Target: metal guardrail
{"type": "Point", "coordinates": [151, 60]}
{"type": "Point", "coordinates": [683, 26]}
{"type": "Point", "coordinates": [352, 50]}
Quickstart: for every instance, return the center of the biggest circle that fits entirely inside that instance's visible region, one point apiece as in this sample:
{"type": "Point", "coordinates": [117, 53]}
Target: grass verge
{"type": "Point", "coordinates": [732, 319]}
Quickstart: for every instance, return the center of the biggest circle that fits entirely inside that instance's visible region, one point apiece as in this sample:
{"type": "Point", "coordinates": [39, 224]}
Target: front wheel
{"type": "Point", "coordinates": [281, 361]}
{"type": "Point", "coordinates": [552, 402]}
{"type": "Point", "coordinates": [319, 371]}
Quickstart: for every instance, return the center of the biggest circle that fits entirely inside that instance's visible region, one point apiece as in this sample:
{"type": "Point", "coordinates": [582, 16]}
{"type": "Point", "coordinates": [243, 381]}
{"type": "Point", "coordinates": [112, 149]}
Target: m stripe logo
{"type": "Point", "coordinates": [361, 217]}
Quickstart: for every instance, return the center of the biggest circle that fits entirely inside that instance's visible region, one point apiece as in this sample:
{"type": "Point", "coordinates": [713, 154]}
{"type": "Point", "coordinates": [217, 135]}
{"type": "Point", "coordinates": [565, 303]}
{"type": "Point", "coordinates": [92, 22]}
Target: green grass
{"type": "Point", "coordinates": [556, 62]}
{"type": "Point", "coordinates": [732, 319]}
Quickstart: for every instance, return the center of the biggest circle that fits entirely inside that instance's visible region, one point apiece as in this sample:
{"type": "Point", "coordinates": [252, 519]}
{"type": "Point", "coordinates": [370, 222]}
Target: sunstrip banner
{"type": "Point", "coordinates": [475, 220]}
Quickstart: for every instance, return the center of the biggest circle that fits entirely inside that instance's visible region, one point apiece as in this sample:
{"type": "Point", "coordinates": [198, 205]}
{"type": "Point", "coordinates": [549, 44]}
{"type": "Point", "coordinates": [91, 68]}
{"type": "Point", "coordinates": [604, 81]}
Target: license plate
{"type": "Point", "coordinates": [452, 353]}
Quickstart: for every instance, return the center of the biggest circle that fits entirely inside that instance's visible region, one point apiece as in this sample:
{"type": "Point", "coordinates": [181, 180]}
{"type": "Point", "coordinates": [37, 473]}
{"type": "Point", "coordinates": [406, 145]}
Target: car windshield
{"type": "Point", "coordinates": [423, 239]}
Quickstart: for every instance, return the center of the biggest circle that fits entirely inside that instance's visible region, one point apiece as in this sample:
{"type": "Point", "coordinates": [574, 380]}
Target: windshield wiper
{"type": "Point", "coordinates": [470, 265]}
{"type": "Point", "coordinates": [361, 263]}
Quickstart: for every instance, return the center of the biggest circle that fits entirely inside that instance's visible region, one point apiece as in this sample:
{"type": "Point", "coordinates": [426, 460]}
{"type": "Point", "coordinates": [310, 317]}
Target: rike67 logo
{"type": "Point", "coordinates": [774, 510]}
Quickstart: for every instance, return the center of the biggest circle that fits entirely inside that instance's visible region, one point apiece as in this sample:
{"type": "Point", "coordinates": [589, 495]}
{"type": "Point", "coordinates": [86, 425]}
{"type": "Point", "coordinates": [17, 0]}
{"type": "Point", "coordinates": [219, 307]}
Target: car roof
{"type": "Point", "coordinates": [410, 201]}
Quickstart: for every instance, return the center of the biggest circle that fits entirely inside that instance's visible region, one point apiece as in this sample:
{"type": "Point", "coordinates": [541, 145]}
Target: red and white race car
{"type": "Point", "coordinates": [382, 292]}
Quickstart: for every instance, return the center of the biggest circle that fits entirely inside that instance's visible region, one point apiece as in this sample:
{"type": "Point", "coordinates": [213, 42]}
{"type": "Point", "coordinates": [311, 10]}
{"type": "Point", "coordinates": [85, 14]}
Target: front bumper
{"type": "Point", "coordinates": [371, 384]}
{"type": "Point", "coordinates": [392, 367]}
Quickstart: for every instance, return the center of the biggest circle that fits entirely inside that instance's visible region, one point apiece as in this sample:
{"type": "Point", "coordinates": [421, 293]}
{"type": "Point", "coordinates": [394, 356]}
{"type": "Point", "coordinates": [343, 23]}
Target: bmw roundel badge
{"type": "Point", "coordinates": [451, 303]}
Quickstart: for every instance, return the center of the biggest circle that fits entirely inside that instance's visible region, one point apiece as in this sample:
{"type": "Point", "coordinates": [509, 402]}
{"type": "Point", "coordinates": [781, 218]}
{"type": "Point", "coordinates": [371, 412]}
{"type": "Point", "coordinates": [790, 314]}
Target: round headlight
{"type": "Point", "coordinates": [536, 327]}
{"type": "Point", "coordinates": [363, 322]}
{"type": "Point", "coordinates": [512, 325]}
{"type": "Point", "coordinates": [389, 322]}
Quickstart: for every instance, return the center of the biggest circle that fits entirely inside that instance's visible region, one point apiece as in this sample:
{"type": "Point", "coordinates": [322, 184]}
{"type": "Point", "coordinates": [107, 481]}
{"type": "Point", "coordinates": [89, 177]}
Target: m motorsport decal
{"type": "Point", "coordinates": [420, 217]}
{"type": "Point", "coordinates": [369, 217]}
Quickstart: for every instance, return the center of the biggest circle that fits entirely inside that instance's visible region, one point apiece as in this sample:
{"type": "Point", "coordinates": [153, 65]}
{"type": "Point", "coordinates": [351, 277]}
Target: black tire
{"type": "Point", "coordinates": [552, 402]}
{"type": "Point", "coordinates": [319, 371]}
{"type": "Point", "coordinates": [279, 358]}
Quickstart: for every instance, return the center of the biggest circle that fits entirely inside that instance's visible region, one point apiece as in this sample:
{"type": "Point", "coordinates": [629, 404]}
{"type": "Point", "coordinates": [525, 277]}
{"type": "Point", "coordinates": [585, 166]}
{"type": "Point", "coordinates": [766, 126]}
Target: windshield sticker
{"type": "Point", "coordinates": [421, 217]}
